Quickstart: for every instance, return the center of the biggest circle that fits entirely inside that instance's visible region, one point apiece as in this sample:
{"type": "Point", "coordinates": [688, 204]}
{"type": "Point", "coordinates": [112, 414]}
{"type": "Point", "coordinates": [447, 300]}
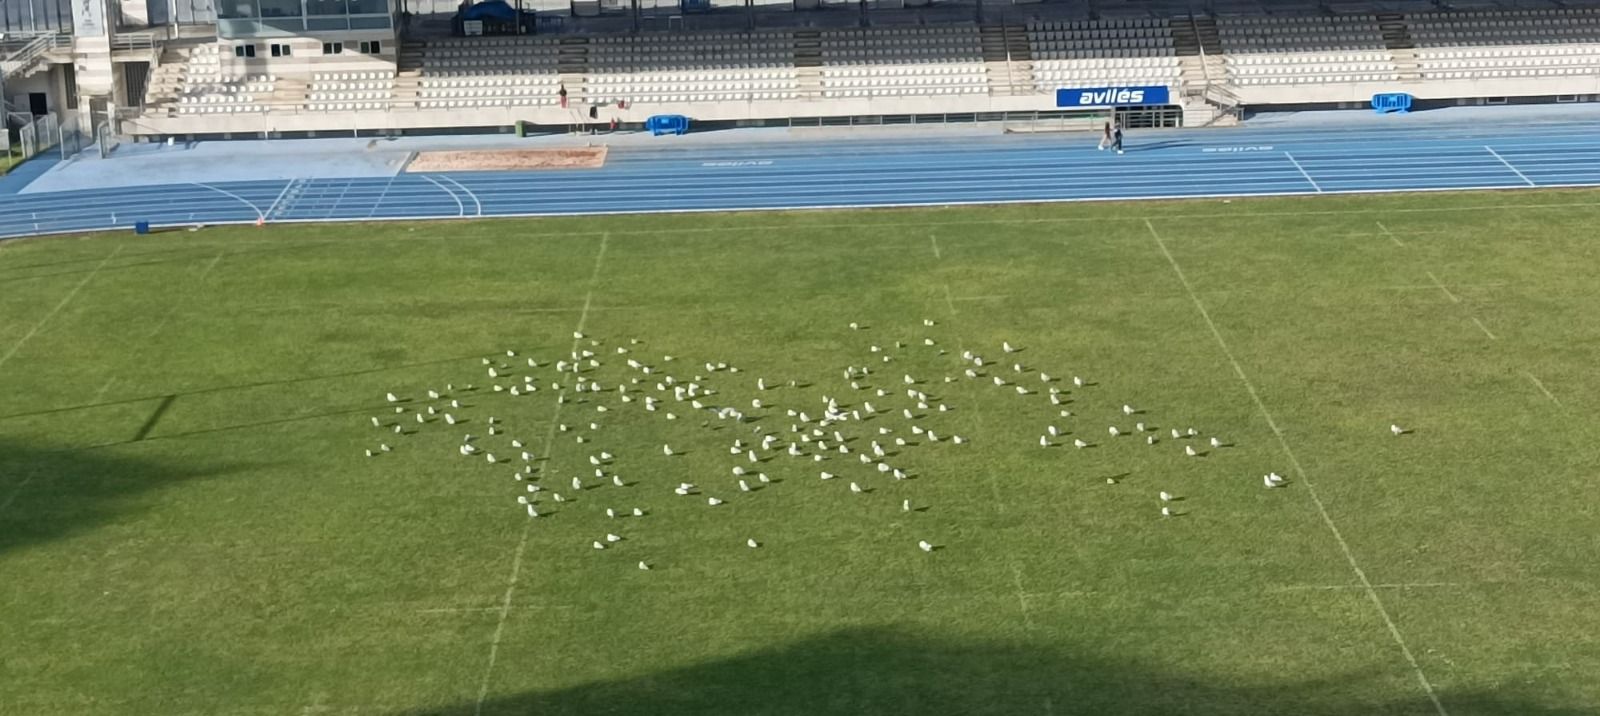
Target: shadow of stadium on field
{"type": "Point", "coordinates": [50, 494]}
{"type": "Point", "coordinates": [886, 670]}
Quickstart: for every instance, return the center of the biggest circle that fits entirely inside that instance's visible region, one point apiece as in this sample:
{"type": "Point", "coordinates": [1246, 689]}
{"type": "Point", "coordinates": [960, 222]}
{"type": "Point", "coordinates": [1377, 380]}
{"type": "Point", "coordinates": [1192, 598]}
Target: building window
{"type": "Point", "coordinates": [372, 47]}
{"type": "Point", "coordinates": [281, 50]}
{"type": "Point", "coordinates": [244, 50]}
{"type": "Point", "coordinates": [332, 48]}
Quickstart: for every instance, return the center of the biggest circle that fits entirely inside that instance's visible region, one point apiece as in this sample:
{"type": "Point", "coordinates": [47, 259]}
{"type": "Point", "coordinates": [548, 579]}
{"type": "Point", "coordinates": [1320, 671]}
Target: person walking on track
{"type": "Point", "coordinates": [1105, 137]}
{"type": "Point", "coordinates": [1116, 137]}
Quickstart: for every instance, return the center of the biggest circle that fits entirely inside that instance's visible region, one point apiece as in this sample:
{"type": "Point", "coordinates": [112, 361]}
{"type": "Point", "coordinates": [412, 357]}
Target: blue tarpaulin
{"type": "Point", "coordinates": [491, 10]}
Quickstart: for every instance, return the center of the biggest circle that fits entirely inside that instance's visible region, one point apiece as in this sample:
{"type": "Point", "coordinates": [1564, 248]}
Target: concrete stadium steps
{"type": "Point", "coordinates": [1397, 37]}
{"type": "Point", "coordinates": [1007, 59]}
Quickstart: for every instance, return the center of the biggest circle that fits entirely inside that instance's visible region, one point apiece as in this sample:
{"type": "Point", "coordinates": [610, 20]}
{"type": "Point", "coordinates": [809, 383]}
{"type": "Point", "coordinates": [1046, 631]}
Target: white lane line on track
{"type": "Point", "coordinates": [1513, 169]}
{"type": "Point", "coordinates": [225, 192]}
{"type": "Point", "coordinates": [1302, 171]}
{"type": "Point", "coordinates": [1300, 472]}
{"type": "Point", "coordinates": [461, 209]}
{"type": "Point", "coordinates": [478, 205]}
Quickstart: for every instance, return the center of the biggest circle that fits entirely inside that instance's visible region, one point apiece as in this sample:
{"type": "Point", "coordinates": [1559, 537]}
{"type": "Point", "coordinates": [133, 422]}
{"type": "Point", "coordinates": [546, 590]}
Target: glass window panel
{"type": "Point", "coordinates": [325, 7]}
{"type": "Point", "coordinates": [328, 23]}
{"type": "Point", "coordinates": [369, 7]}
{"type": "Point", "coordinates": [279, 8]}
{"type": "Point", "coordinates": [237, 9]}
{"type": "Point", "coordinates": [370, 22]}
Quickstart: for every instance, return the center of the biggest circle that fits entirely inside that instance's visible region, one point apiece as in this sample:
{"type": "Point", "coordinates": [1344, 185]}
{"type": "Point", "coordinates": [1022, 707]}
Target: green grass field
{"type": "Point", "coordinates": [188, 523]}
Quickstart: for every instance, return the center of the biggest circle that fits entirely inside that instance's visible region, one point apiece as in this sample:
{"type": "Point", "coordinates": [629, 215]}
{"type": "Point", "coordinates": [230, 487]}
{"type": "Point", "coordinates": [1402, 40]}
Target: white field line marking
{"type": "Point", "coordinates": [461, 209]}
{"type": "Point", "coordinates": [1435, 287]}
{"type": "Point", "coordinates": [64, 301]}
{"type": "Point", "coordinates": [243, 200]}
{"type": "Point", "coordinates": [62, 304]}
{"type": "Point", "coordinates": [522, 542]}
{"type": "Point", "coordinates": [918, 205]}
{"type": "Point", "coordinates": [934, 240]}
{"type": "Point", "coordinates": [1441, 287]}
{"type": "Point", "coordinates": [1513, 169]}
{"type": "Point", "coordinates": [1397, 585]}
{"type": "Point", "coordinates": [478, 205]}
{"type": "Point", "coordinates": [999, 503]}
{"type": "Point", "coordinates": [1390, 234]}
{"type": "Point", "coordinates": [165, 318]}
{"type": "Point", "coordinates": [462, 610]}
{"type": "Point", "coordinates": [1484, 328]}
{"type": "Point", "coordinates": [1022, 594]}
{"type": "Point", "coordinates": [281, 195]}
{"type": "Point", "coordinates": [1303, 173]}
{"type": "Point", "coordinates": [1300, 472]}
{"type": "Point", "coordinates": [1540, 385]}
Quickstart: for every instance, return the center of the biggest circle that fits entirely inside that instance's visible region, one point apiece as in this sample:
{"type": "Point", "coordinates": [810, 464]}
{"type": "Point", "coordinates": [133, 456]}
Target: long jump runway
{"type": "Point", "coordinates": [826, 171]}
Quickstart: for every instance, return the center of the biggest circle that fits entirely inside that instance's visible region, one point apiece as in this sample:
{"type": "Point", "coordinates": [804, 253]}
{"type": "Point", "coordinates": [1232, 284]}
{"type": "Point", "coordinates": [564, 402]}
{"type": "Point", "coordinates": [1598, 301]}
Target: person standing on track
{"type": "Point", "coordinates": [1105, 137]}
{"type": "Point", "coordinates": [1116, 137]}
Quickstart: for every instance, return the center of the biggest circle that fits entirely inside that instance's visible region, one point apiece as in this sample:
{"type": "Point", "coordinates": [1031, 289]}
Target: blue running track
{"type": "Point", "coordinates": [823, 172]}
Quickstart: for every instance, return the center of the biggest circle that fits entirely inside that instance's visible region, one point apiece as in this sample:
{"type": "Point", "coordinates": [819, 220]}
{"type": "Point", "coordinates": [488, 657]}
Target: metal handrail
{"type": "Point", "coordinates": [133, 41]}
{"type": "Point", "coordinates": [33, 50]}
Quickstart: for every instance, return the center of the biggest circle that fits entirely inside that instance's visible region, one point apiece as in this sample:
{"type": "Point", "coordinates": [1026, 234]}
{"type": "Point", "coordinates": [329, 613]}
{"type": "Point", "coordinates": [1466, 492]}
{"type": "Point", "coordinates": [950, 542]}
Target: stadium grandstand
{"type": "Point", "coordinates": [158, 69]}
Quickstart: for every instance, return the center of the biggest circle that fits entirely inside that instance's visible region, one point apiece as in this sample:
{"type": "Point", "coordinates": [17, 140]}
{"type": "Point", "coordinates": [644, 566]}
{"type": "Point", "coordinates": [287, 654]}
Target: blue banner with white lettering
{"type": "Point", "coordinates": [1111, 97]}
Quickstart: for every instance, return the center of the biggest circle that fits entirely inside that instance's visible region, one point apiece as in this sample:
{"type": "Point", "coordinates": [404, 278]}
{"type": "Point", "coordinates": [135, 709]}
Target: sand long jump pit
{"type": "Point", "coordinates": [492, 160]}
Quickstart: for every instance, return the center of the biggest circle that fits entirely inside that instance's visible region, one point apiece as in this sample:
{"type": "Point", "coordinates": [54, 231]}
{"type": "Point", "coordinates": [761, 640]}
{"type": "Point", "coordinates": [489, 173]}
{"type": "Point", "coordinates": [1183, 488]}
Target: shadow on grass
{"type": "Point", "coordinates": [878, 670]}
{"type": "Point", "coordinates": [46, 495]}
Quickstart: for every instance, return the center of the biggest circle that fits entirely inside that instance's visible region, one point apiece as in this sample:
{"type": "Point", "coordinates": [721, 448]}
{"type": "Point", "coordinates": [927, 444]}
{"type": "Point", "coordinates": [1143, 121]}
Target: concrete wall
{"type": "Point", "coordinates": [1362, 92]}
{"type": "Point", "coordinates": [306, 55]}
{"type": "Point", "coordinates": [306, 121]}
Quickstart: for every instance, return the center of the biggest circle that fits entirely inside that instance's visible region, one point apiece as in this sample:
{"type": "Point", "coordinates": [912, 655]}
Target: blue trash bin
{"type": "Point", "coordinates": [141, 227]}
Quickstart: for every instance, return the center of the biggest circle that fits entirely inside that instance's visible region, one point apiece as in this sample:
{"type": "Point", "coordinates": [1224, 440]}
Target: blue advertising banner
{"type": "Point", "coordinates": [1111, 97]}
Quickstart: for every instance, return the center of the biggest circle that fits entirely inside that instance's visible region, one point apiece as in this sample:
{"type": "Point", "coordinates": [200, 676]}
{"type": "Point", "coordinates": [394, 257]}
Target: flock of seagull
{"type": "Point", "coordinates": [826, 433]}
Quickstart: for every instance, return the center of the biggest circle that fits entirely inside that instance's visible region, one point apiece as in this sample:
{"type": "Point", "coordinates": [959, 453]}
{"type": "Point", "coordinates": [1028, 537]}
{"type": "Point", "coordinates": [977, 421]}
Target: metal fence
{"type": "Point", "coordinates": [37, 136]}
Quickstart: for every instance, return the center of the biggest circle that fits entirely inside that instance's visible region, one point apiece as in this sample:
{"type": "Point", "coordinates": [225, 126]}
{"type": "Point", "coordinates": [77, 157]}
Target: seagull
{"type": "Point", "coordinates": [1077, 381]}
{"type": "Point", "coordinates": [617, 480]}
{"type": "Point", "coordinates": [1139, 427]}
{"type": "Point", "coordinates": [957, 439]}
{"type": "Point", "coordinates": [1397, 430]}
{"type": "Point", "coordinates": [1128, 409]}
{"type": "Point", "coordinates": [666, 450]}
{"type": "Point", "coordinates": [752, 543]}
{"type": "Point", "coordinates": [763, 477]}
{"type": "Point", "coordinates": [1114, 431]}
{"type": "Point", "coordinates": [713, 501]}
{"type": "Point", "coordinates": [827, 475]}
{"type": "Point", "coordinates": [923, 545]}
{"type": "Point", "coordinates": [557, 497]}
{"type": "Point", "coordinates": [613, 538]}
{"type": "Point", "coordinates": [1189, 450]}
{"type": "Point", "coordinates": [1149, 439]}
{"type": "Point", "coordinates": [611, 513]}
{"type": "Point", "coordinates": [744, 486]}
{"type": "Point", "coordinates": [1079, 444]}
{"type": "Point", "coordinates": [1044, 441]}
{"type": "Point", "coordinates": [489, 456]}
{"type": "Point", "coordinates": [577, 485]}
{"type": "Point", "coordinates": [449, 419]}
{"type": "Point", "coordinates": [905, 505]}
{"type": "Point", "coordinates": [532, 512]}
{"type": "Point", "coordinates": [644, 567]}
{"type": "Point", "coordinates": [1216, 442]}
{"type": "Point", "coordinates": [1166, 496]}
{"type": "Point", "coordinates": [1272, 479]}
{"type": "Point", "coordinates": [1175, 434]}
{"type": "Point", "coordinates": [1166, 512]}
{"type": "Point", "coordinates": [1007, 347]}
{"type": "Point", "coordinates": [369, 453]}
{"type": "Point", "coordinates": [599, 545]}
{"type": "Point", "coordinates": [393, 398]}
{"type": "Point", "coordinates": [1053, 430]}
{"type": "Point", "coordinates": [855, 488]}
